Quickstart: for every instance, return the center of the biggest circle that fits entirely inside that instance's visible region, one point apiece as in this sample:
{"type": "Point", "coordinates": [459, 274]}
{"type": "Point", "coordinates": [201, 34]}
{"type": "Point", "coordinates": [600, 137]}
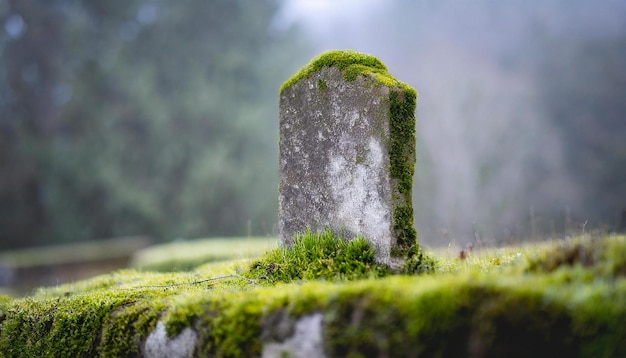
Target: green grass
{"type": "Point", "coordinates": [318, 256]}
{"type": "Point", "coordinates": [323, 255]}
{"type": "Point", "coordinates": [561, 298]}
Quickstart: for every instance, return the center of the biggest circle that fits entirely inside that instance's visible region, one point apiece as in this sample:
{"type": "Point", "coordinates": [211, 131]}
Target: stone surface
{"type": "Point", "coordinates": [336, 153]}
{"type": "Point", "coordinates": [158, 345]}
{"type": "Point", "coordinates": [306, 342]}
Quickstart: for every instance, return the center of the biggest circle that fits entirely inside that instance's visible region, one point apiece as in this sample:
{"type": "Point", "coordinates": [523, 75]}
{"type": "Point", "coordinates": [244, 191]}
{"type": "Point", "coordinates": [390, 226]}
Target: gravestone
{"type": "Point", "coordinates": [347, 153]}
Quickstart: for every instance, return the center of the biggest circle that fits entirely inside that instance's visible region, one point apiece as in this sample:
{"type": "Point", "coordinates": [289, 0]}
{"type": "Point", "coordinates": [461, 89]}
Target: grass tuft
{"type": "Point", "coordinates": [321, 255]}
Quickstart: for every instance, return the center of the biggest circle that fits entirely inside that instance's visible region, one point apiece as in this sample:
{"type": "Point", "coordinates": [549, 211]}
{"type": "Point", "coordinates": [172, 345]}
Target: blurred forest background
{"type": "Point", "coordinates": [160, 118]}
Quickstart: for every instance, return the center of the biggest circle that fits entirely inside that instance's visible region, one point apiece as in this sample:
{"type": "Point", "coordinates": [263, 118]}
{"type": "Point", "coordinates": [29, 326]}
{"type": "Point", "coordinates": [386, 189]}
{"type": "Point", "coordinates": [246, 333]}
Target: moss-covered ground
{"type": "Point", "coordinates": [187, 255]}
{"type": "Point", "coordinates": [561, 298]}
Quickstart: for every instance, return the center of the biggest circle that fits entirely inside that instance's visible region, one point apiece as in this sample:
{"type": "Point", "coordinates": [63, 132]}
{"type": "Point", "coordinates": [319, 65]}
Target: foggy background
{"type": "Point", "coordinates": [160, 118]}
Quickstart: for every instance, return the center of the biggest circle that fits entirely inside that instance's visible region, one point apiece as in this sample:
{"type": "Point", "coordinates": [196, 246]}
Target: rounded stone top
{"type": "Point", "coordinates": [351, 64]}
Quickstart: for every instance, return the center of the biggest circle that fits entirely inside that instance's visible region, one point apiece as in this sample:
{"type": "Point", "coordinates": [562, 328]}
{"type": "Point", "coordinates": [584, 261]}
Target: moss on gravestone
{"type": "Point", "coordinates": [402, 162]}
{"type": "Point", "coordinates": [350, 63]}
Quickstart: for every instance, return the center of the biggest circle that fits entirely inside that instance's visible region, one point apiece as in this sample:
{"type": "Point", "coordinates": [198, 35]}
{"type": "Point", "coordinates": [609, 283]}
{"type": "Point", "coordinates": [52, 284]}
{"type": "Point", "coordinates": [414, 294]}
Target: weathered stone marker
{"type": "Point", "coordinates": [347, 153]}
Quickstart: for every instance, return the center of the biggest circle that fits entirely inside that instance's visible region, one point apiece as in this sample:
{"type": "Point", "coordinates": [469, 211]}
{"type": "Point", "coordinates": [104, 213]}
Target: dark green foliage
{"type": "Point", "coordinates": [321, 255]}
{"type": "Point", "coordinates": [120, 127]}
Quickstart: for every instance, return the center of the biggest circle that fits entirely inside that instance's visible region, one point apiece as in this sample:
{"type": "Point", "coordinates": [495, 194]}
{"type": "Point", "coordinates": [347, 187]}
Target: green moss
{"type": "Point", "coordinates": [351, 64]}
{"type": "Point", "coordinates": [416, 261]}
{"type": "Point", "coordinates": [480, 315]}
{"type": "Point", "coordinates": [327, 256]}
{"type": "Point", "coordinates": [318, 255]}
{"type": "Point", "coordinates": [321, 85]}
{"type": "Point", "coordinates": [81, 325]}
{"type": "Point", "coordinates": [109, 316]}
{"type": "Point", "coordinates": [470, 315]}
{"type": "Point", "coordinates": [480, 308]}
{"type": "Point", "coordinates": [602, 256]}
{"type": "Point", "coordinates": [226, 328]}
{"type": "Point", "coordinates": [4, 299]}
{"type": "Point", "coordinates": [402, 165]}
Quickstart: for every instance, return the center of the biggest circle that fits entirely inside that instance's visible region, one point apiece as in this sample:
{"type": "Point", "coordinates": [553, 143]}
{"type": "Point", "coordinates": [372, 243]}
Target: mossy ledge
{"type": "Point", "coordinates": [562, 299]}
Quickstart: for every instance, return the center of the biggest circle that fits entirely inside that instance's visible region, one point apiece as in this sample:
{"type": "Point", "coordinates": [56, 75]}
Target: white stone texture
{"type": "Point", "coordinates": [306, 341]}
{"type": "Point", "coordinates": [158, 345]}
{"type": "Point", "coordinates": [361, 206]}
